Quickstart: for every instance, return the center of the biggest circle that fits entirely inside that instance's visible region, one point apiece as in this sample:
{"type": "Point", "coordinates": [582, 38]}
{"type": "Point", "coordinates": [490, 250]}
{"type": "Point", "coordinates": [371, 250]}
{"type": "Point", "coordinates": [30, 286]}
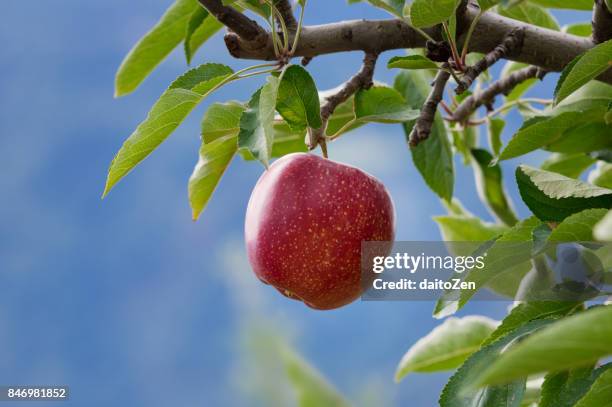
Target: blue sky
{"type": "Point", "coordinates": [127, 300]}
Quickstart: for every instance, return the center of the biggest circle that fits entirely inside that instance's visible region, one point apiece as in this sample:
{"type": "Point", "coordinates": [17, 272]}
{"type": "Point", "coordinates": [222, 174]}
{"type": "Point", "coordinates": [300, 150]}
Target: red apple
{"type": "Point", "coordinates": [305, 222]}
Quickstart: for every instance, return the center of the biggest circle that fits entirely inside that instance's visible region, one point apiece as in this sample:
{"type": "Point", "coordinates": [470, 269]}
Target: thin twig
{"type": "Point", "coordinates": [422, 127]}
{"type": "Point", "coordinates": [361, 80]}
{"type": "Point", "coordinates": [512, 42]}
{"type": "Point", "coordinates": [234, 20]}
{"type": "Point", "coordinates": [501, 86]}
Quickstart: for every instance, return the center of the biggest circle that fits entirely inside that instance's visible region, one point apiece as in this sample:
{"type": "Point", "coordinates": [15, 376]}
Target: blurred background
{"type": "Point", "coordinates": [128, 301]}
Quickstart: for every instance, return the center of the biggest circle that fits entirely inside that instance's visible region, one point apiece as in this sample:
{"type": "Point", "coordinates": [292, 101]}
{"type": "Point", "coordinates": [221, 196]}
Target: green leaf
{"type": "Point", "coordinates": [256, 124]}
{"type": "Point", "coordinates": [600, 392]}
{"type": "Point", "coordinates": [464, 229]}
{"type": "Point", "coordinates": [426, 13]}
{"type": "Point", "coordinates": [570, 165]}
{"type": "Point", "coordinates": [579, 29]}
{"type": "Point", "coordinates": [259, 7]}
{"type": "Point", "coordinates": [220, 120]}
{"type": "Point", "coordinates": [553, 197]}
{"type": "Point", "coordinates": [490, 186]}
{"type": "Point", "coordinates": [532, 393]}
{"type": "Point", "coordinates": [495, 129]}
{"type": "Point", "coordinates": [541, 131]}
{"type": "Point", "coordinates": [464, 139]}
{"type": "Point", "coordinates": [565, 4]}
{"type": "Point", "coordinates": [585, 138]}
{"type": "Point", "coordinates": [593, 94]}
{"type": "Point", "coordinates": [560, 346]}
{"type": "Point", "coordinates": [540, 238]}
{"type": "Point", "coordinates": [529, 311]}
{"type": "Point", "coordinates": [311, 387]}
{"type": "Point", "coordinates": [298, 99]}
{"type": "Point", "coordinates": [214, 159]}
{"type": "Point", "coordinates": [154, 46]}
{"type": "Point", "coordinates": [603, 230]}
{"type": "Point", "coordinates": [508, 283]}
{"type": "Point", "coordinates": [577, 227]}
{"type": "Point", "coordinates": [447, 346]}
{"type": "Point", "coordinates": [509, 254]}
{"type": "Point", "coordinates": [459, 391]}
{"type": "Point", "coordinates": [456, 208]}
{"type": "Point", "coordinates": [487, 4]}
{"type": "Point", "coordinates": [195, 21]}
{"type": "Point", "coordinates": [601, 175]}
{"type": "Point", "coordinates": [285, 141]}
{"type": "Point", "coordinates": [530, 13]}
{"type": "Point", "coordinates": [432, 157]}
{"type": "Point", "coordinates": [412, 62]}
{"type": "Point", "coordinates": [564, 389]}
{"type": "Point", "coordinates": [584, 68]}
{"type": "Point", "coordinates": [201, 27]}
{"type": "Point", "coordinates": [395, 7]}
{"type": "Point", "coordinates": [382, 104]}
{"type": "Point", "coordinates": [165, 116]}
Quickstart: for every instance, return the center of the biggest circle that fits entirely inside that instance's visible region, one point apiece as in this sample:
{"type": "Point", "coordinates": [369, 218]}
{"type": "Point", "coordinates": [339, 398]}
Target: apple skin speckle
{"type": "Point", "coordinates": [305, 223]}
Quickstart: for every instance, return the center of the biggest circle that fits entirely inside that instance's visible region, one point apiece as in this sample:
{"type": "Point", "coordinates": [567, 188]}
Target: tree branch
{"type": "Point", "coordinates": [246, 28]}
{"type": "Point", "coordinates": [356, 35]}
{"type": "Point", "coordinates": [602, 22]}
{"type": "Point", "coordinates": [510, 44]}
{"type": "Point", "coordinates": [361, 80]}
{"type": "Point", "coordinates": [285, 10]}
{"type": "Point", "coordinates": [502, 86]}
{"type": "Point", "coordinates": [548, 49]}
{"type": "Point", "coordinates": [422, 127]}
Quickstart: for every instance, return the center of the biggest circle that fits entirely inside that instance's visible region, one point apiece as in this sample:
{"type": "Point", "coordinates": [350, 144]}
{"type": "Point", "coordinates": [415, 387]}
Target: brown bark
{"type": "Point", "coordinates": [422, 127]}
{"type": "Point", "coordinates": [487, 96]}
{"type": "Point", "coordinates": [548, 49]}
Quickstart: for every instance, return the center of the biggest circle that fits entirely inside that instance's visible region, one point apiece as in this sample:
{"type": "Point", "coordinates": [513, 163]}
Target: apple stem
{"type": "Point", "coordinates": [361, 80]}
{"type": "Point", "coordinates": [323, 145]}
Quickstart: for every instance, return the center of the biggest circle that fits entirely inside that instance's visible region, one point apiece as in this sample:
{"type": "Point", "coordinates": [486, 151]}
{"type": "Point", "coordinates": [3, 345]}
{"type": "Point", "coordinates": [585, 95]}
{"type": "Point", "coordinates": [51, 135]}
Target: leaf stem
{"type": "Point", "coordinates": [323, 144]}
{"type": "Point", "coordinates": [256, 73]}
{"type": "Point", "coordinates": [275, 14]}
{"type": "Point", "coordinates": [298, 31]}
{"type": "Point", "coordinates": [453, 74]}
{"type": "Point", "coordinates": [275, 40]}
{"type": "Point", "coordinates": [513, 103]}
{"type": "Point", "coordinates": [466, 44]}
{"type": "Point", "coordinates": [342, 129]}
{"type": "Point", "coordinates": [239, 74]}
{"type": "Point", "coordinates": [422, 33]}
{"type": "Point", "coordinates": [284, 29]}
{"type": "Point", "coordinates": [453, 45]}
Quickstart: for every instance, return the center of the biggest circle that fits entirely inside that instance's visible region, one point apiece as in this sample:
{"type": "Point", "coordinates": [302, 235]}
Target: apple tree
{"type": "Point", "coordinates": [544, 353]}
